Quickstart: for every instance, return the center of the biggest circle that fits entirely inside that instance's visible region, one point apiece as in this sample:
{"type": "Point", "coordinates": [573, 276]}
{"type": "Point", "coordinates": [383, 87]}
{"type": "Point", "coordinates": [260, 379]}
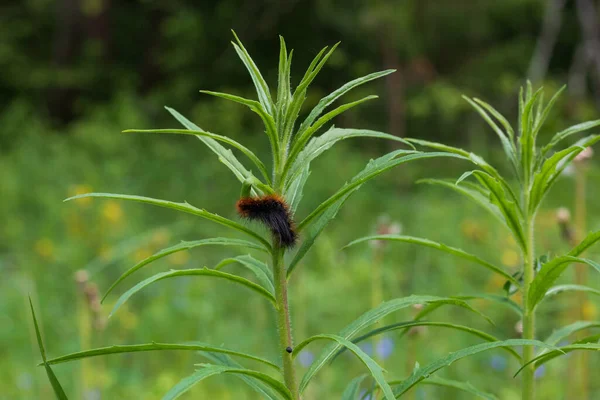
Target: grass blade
{"type": "Point", "coordinates": [352, 390]}
{"type": "Point", "coordinates": [56, 386]}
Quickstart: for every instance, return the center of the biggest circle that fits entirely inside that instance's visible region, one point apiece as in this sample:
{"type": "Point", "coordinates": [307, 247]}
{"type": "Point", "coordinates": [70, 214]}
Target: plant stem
{"type": "Point", "coordinates": [284, 326]}
{"type": "Point", "coordinates": [528, 388]}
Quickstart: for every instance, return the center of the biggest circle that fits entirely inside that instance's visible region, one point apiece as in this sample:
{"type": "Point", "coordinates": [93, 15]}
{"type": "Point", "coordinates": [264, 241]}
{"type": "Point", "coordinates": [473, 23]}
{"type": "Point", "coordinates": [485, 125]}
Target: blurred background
{"type": "Point", "coordinates": [74, 73]}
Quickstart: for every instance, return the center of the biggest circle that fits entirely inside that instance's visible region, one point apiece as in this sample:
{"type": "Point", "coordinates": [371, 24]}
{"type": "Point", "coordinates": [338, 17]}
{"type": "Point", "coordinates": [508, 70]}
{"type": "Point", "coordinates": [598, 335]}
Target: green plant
{"type": "Point", "coordinates": [515, 205]}
{"type": "Point", "coordinates": [293, 148]}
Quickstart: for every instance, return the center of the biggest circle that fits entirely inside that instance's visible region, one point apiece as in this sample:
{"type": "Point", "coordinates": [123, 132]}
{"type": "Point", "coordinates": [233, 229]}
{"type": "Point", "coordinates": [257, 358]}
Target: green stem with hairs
{"type": "Point", "coordinates": [528, 385]}
{"type": "Point", "coordinates": [284, 326]}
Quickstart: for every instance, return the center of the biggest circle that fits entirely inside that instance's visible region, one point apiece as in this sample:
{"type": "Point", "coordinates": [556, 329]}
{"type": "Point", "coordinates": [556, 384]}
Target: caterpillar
{"type": "Point", "coordinates": [273, 212]}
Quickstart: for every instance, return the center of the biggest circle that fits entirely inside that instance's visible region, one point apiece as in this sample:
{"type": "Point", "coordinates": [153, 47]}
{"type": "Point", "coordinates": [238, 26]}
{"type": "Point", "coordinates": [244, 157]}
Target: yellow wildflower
{"type": "Point", "coordinates": [112, 211]}
{"type": "Point", "coordinates": [44, 248]}
{"type": "Point", "coordinates": [76, 190]}
{"type": "Point", "coordinates": [589, 311]}
{"type": "Point", "coordinates": [510, 258]}
{"type": "Point", "coordinates": [180, 258]}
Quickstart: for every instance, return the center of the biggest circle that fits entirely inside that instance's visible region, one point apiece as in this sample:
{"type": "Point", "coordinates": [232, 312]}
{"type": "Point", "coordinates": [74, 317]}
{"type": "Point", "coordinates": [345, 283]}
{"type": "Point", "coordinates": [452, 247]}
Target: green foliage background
{"type": "Point", "coordinates": [73, 74]}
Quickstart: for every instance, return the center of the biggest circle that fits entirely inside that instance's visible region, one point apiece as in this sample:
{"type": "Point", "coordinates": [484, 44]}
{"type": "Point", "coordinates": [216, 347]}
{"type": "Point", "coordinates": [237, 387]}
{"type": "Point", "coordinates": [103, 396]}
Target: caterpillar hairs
{"type": "Point", "coordinates": [273, 212]}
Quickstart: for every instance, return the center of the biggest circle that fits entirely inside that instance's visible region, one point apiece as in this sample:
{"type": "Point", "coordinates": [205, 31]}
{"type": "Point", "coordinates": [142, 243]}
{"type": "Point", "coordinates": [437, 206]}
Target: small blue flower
{"type": "Point", "coordinates": [306, 358]}
{"type": "Point", "coordinates": [498, 363]}
{"type": "Point", "coordinates": [540, 371]}
{"type": "Point", "coordinates": [384, 348]}
{"type": "Point", "coordinates": [367, 347]}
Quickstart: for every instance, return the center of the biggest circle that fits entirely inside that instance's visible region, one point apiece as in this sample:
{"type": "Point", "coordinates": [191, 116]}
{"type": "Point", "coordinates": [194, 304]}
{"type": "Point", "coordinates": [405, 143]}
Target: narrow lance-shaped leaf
{"type": "Point", "coordinates": [426, 371]}
{"type": "Point", "coordinates": [311, 233]}
{"type": "Point", "coordinates": [406, 325]}
{"type": "Point", "coordinates": [300, 93]}
{"type": "Point", "coordinates": [283, 86]}
{"type": "Point", "coordinates": [372, 316]}
{"type": "Point", "coordinates": [59, 392]}
{"type": "Point", "coordinates": [439, 246]}
{"type": "Point", "coordinates": [262, 89]}
{"type": "Point", "coordinates": [505, 138]}
{"type": "Point", "coordinates": [247, 152]}
{"type": "Point", "coordinates": [324, 142]}
{"type": "Point", "coordinates": [352, 390]}
{"type": "Point", "coordinates": [181, 247]}
{"type": "Point", "coordinates": [450, 383]}
{"type": "Point", "coordinates": [295, 191]}
{"type": "Point", "coordinates": [263, 273]}
{"type": "Point", "coordinates": [225, 155]}
{"type": "Point", "coordinates": [208, 370]}
{"type": "Point", "coordinates": [546, 112]}
{"type": "Point", "coordinates": [327, 100]}
{"type": "Point", "coordinates": [193, 272]}
{"type": "Point", "coordinates": [554, 290]}
{"type": "Point", "coordinates": [564, 332]}
{"type": "Point", "coordinates": [549, 273]}
{"type": "Point", "coordinates": [184, 207]}
{"type": "Point", "coordinates": [373, 168]}
{"type": "Point", "coordinates": [584, 344]}
{"type": "Point", "coordinates": [507, 207]}
{"type": "Point", "coordinates": [474, 192]}
{"type": "Point", "coordinates": [303, 138]}
{"type": "Point", "coordinates": [268, 121]}
{"type": "Point", "coordinates": [572, 130]}
{"type": "Point", "coordinates": [136, 348]}
{"type": "Point", "coordinates": [527, 144]}
{"type": "Point", "coordinates": [259, 386]}
{"type": "Point", "coordinates": [374, 368]}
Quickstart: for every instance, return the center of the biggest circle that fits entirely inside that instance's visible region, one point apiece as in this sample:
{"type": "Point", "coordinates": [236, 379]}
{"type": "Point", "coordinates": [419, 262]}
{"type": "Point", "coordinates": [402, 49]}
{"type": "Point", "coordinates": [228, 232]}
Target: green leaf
{"type": "Point", "coordinates": [313, 231]}
{"type": "Point", "coordinates": [184, 207]}
{"type": "Point", "coordinates": [459, 385]}
{"type": "Point", "coordinates": [352, 390]}
{"type": "Point", "coordinates": [425, 372]}
{"type": "Point", "coordinates": [56, 386]}
{"type": "Point", "coordinates": [372, 316]}
{"type": "Point", "coordinates": [210, 370]}
{"type": "Point", "coordinates": [553, 291]}
{"type": "Point", "coordinates": [134, 348]}
{"type": "Point", "coordinates": [527, 144]}
{"type": "Point", "coordinates": [255, 106]}
{"type": "Point", "coordinates": [256, 385]}
{"type": "Point", "coordinates": [247, 152]}
{"type": "Point", "coordinates": [374, 368]}
{"type": "Point", "coordinates": [549, 273]}
{"type": "Point", "coordinates": [585, 244]}
{"type": "Point", "coordinates": [572, 130]}
{"type": "Point", "coordinates": [499, 299]}
{"type": "Point", "coordinates": [304, 137]}
{"type": "Point", "coordinates": [505, 138]}
{"type": "Point", "coordinates": [283, 87]}
{"type": "Point", "coordinates": [508, 208]}
{"type": "Point", "coordinates": [181, 247]}
{"type": "Point", "coordinates": [546, 112]}
{"type": "Point", "coordinates": [295, 191]}
{"type": "Point", "coordinates": [300, 93]}
{"type": "Point", "coordinates": [193, 272]}
{"type": "Point", "coordinates": [225, 155]}
{"type": "Point", "coordinates": [327, 100]}
{"type": "Point", "coordinates": [263, 273]}
{"type": "Point", "coordinates": [406, 325]}
{"type": "Point", "coordinates": [579, 345]}
{"type": "Point", "coordinates": [322, 143]}
{"type": "Point", "coordinates": [430, 243]}
{"type": "Point", "coordinates": [473, 192]}
{"type": "Point", "coordinates": [262, 89]}
{"type": "Point", "coordinates": [373, 168]}
{"type": "Point", "coordinates": [560, 334]}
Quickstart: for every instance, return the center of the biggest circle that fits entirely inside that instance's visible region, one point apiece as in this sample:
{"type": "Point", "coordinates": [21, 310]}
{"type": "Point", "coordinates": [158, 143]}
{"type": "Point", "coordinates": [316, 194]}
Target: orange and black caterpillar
{"type": "Point", "coordinates": [272, 211]}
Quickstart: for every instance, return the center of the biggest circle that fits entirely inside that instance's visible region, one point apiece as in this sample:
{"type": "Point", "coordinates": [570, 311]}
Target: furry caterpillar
{"type": "Point", "coordinates": [273, 212]}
